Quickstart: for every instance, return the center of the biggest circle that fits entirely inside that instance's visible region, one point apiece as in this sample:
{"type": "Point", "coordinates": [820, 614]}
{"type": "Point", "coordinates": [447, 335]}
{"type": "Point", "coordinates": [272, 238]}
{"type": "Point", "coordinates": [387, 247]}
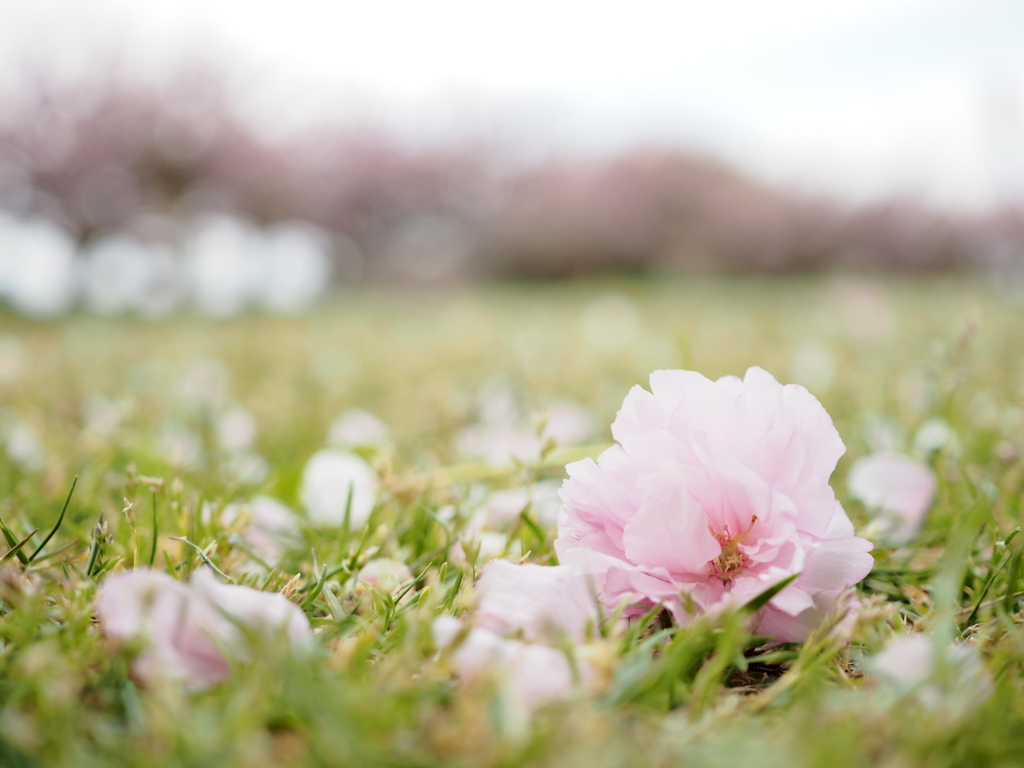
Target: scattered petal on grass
{"type": "Point", "coordinates": [568, 423]}
{"type": "Point", "coordinates": [180, 445]}
{"type": "Point", "coordinates": [896, 486]}
{"type": "Point", "coordinates": [385, 575]}
{"type": "Point", "coordinates": [932, 435]}
{"type": "Point", "coordinates": [101, 417]}
{"type": "Point", "coordinates": [504, 431]}
{"type": "Point", "coordinates": [881, 434]}
{"type": "Point", "coordinates": [23, 446]}
{"type": "Point", "coordinates": [538, 602]}
{"type": "Point", "coordinates": [236, 429]}
{"type": "Point", "coordinates": [716, 491]}
{"type": "Point", "coordinates": [525, 616]}
{"type": "Point", "coordinates": [330, 478]}
{"type": "Point", "coordinates": [533, 674]}
{"type": "Point", "coordinates": [203, 385]}
{"type": "Point", "coordinates": [499, 442]}
{"type": "Point", "coordinates": [952, 677]}
{"type": "Point", "coordinates": [193, 631]}
{"type": "Point", "coordinates": [356, 428]}
{"type": "Point", "coordinates": [247, 468]}
{"type": "Point", "coordinates": [272, 527]}
{"type": "Point", "coordinates": [501, 509]}
{"type": "Point", "coordinates": [906, 661]}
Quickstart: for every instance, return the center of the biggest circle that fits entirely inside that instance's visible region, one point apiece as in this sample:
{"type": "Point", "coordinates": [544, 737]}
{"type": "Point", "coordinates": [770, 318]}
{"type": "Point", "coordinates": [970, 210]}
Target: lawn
{"type": "Point", "coordinates": [479, 398]}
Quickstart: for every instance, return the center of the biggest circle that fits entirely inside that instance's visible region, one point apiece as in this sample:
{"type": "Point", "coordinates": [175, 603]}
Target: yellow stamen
{"type": "Point", "coordinates": [731, 560]}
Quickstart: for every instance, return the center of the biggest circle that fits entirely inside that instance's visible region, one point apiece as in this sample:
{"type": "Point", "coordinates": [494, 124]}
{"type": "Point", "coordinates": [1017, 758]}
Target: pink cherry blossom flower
{"type": "Point", "coordinates": [898, 487]}
{"type": "Point", "coordinates": [716, 491]}
{"type": "Point", "coordinates": [191, 632]}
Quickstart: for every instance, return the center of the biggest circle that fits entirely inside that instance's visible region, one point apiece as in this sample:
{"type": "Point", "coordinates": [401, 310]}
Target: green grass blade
{"type": "Point", "coordinates": [16, 549]}
{"type": "Point", "coordinates": [12, 542]}
{"type": "Point", "coordinates": [156, 535]}
{"type": "Point", "coordinates": [99, 533]}
{"type": "Point", "coordinates": [765, 597]}
{"type": "Point", "coordinates": [60, 520]}
{"type": "Point", "coordinates": [206, 560]}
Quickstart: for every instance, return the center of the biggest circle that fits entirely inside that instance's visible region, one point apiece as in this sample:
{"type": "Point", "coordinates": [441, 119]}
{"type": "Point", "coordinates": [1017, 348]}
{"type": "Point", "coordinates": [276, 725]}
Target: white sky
{"type": "Point", "coordinates": [861, 98]}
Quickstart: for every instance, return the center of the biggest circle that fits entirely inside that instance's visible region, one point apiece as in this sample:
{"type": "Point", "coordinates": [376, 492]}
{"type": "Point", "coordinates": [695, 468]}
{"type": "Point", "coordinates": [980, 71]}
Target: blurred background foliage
{"type": "Point", "coordinates": [106, 156]}
{"type": "Point", "coordinates": [129, 197]}
{"type": "Point", "coordinates": [158, 158]}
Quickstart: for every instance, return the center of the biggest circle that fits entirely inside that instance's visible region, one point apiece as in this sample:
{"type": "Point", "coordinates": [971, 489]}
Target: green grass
{"type": "Point", "coordinates": [879, 355]}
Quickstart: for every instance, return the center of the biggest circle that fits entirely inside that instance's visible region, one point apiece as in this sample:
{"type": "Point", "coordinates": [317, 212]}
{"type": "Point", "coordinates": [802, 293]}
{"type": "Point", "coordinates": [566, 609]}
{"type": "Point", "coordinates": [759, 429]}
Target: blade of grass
{"type": "Point", "coordinates": [99, 534]}
{"type": "Point", "coordinates": [16, 549]}
{"type": "Point", "coordinates": [204, 558]}
{"type": "Point", "coordinates": [363, 541]}
{"type": "Point", "coordinates": [51, 555]}
{"type": "Point", "coordinates": [1012, 581]}
{"type": "Point", "coordinates": [346, 520]}
{"type": "Point", "coordinates": [453, 592]}
{"type": "Point", "coordinates": [984, 590]}
{"type": "Point", "coordinates": [724, 657]}
{"type": "Point", "coordinates": [12, 542]}
{"type": "Point", "coordinates": [129, 512]}
{"type": "Point", "coordinates": [60, 520]}
{"type": "Point", "coordinates": [765, 597]}
{"type": "Point", "coordinates": [156, 534]}
{"type": "Point", "coordinates": [951, 568]}
{"type": "Point", "coordinates": [538, 533]}
{"type": "Point", "coordinates": [172, 567]}
{"type": "Point", "coordinates": [318, 585]}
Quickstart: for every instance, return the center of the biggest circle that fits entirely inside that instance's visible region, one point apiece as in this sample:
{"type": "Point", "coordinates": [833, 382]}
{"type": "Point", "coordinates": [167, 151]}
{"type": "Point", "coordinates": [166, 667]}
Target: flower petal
{"type": "Point", "coordinates": [671, 530]}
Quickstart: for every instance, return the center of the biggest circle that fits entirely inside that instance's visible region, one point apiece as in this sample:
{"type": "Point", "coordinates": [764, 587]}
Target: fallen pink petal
{"type": "Point", "coordinates": [898, 487]}
{"type": "Point", "coordinates": [533, 673]}
{"type": "Point", "coordinates": [334, 481]}
{"type": "Point", "coordinates": [187, 629]}
{"type": "Point", "coordinates": [385, 574]}
{"type": "Point", "coordinates": [537, 602]}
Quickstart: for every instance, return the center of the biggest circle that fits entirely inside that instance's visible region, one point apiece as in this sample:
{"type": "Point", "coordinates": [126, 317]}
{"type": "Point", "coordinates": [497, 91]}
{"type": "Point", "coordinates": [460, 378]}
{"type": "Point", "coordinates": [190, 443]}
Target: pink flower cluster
{"type": "Point", "coordinates": [715, 492]}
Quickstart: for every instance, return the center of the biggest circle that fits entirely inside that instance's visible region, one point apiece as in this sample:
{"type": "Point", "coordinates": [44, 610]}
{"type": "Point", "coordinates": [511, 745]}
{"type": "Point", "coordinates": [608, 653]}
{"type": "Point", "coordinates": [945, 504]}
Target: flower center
{"type": "Point", "coordinates": [732, 560]}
